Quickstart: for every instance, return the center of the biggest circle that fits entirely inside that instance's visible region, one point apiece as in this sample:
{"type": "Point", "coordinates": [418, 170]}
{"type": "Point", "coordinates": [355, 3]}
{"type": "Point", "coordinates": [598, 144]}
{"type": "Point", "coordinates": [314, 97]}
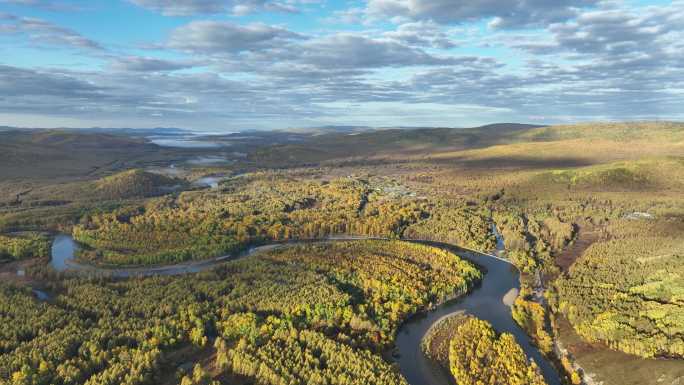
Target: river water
{"type": "Point", "coordinates": [209, 181]}
{"type": "Point", "coordinates": [485, 302]}
{"type": "Point", "coordinates": [63, 259]}
{"type": "Point", "coordinates": [63, 249]}
{"type": "Point", "coordinates": [182, 141]}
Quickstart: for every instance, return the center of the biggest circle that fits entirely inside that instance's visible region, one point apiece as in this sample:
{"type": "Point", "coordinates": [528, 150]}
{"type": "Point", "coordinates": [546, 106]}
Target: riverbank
{"type": "Point", "coordinates": [435, 343]}
{"type": "Point", "coordinates": [604, 366]}
{"type": "Point", "coordinates": [485, 301]}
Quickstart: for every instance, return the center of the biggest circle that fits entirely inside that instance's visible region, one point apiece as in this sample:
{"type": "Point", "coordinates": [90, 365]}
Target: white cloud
{"type": "Point", "coordinates": [504, 13]}
{"type": "Point", "coordinates": [611, 61]}
{"type": "Point", "coordinates": [45, 33]}
{"type": "Point", "coordinates": [195, 7]}
{"type": "Point", "coordinates": [218, 37]}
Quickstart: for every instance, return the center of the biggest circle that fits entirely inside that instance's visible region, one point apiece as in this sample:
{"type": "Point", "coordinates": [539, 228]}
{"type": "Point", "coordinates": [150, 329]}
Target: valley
{"type": "Point", "coordinates": [341, 192]}
{"type": "Point", "coordinates": [329, 259]}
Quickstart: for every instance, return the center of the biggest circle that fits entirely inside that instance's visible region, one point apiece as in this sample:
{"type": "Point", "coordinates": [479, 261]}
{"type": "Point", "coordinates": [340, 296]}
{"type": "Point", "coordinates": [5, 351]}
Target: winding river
{"type": "Point", "coordinates": [63, 259]}
{"type": "Point", "coordinates": [490, 301]}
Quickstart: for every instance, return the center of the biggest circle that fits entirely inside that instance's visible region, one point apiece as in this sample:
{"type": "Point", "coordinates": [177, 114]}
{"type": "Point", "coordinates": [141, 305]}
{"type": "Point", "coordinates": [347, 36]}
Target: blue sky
{"type": "Point", "coordinates": [272, 64]}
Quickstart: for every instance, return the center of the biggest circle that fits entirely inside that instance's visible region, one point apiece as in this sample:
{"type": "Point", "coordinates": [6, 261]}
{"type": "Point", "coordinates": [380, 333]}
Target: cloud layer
{"type": "Point", "coordinates": [469, 62]}
{"type": "Point", "coordinates": [195, 7]}
{"type": "Point", "coordinates": [505, 13]}
{"type": "Point", "coordinates": [42, 32]}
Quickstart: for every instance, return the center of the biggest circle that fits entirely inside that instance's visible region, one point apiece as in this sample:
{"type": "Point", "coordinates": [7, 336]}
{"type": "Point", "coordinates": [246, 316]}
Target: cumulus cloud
{"type": "Point", "coordinates": [218, 37]}
{"type": "Point", "coordinates": [549, 91]}
{"type": "Point", "coordinates": [606, 61]}
{"type": "Point", "coordinates": [618, 31]}
{"type": "Point", "coordinates": [422, 34]}
{"type": "Point", "coordinates": [194, 7]}
{"type": "Point", "coordinates": [354, 51]}
{"type": "Point", "coordinates": [620, 49]}
{"type": "Point", "coordinates": [72, 93]}
{"type": "Point", "coordinates": [149, 64]}
{"type": "Point", "coordinates": [503, 14]}
{"type": "Point", "coordinates": [258, 46]}
{"type": "Point", "coordinates": [17, 82]}
{"type": "Point", "coordinates": [45, 33]}
{"type": "Point", "coordinates": [50, 5]}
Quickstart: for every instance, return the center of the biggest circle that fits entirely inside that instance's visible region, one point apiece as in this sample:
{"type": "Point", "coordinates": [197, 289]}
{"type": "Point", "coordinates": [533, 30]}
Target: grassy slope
{"type": "Point", "coordinates": [135, 183]}
{"type": "Point", "coordinates": [648, 174]}
{"type": "Point", "coordinates": [46, 207]}
{"type": "Point", "coordinates": [387, 143]}
{"type": "Point", "coordinates": [610, 367]}
{"type": "Point", "coordinates": [53, 154]}
{"type": "Point", "coordinates": [622, 132]}
{"type": "Point", "coordinates": [509, 147]}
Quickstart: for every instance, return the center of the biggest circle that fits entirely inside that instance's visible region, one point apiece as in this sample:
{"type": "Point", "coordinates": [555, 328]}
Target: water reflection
{"type": "Point", "coordinates": [41, 295]}
{"type": "Point", "coordinates": [63, 250]}
{"type": "Point", "coordinates": [183, 142]}
{"type": "Point", "coordinates": [208, 181]}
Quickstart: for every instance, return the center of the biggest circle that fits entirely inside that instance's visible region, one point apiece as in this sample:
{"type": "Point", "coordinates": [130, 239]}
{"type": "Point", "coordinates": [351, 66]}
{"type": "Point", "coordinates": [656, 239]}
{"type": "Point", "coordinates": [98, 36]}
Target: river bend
{"type": "Point", "coordinates": [486, 302]}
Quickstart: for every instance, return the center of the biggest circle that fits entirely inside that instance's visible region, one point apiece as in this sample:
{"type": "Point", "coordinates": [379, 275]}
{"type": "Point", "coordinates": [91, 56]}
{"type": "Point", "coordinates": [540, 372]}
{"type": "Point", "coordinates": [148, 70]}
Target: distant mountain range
{"type": "Point", "coordinates": [320, 130]}
{"type": "Point", "coordinates": [109, 130]}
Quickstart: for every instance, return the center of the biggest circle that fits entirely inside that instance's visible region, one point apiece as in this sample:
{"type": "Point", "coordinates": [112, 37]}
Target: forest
{"type": "Point", "coordinates": [471, 351]}
{"type": "Point", "coordinates": [23, 246]}
{"type": "Point", "coordinates": [626, 291]}
{"type": "Point", "coordinates": [479, 356]}
{"type": "Point", "coordinates": [298, 313]}
{"type": "Point", "coordinates": [312, 313]}
{"type": "Point", "coordinates": [262, 207]}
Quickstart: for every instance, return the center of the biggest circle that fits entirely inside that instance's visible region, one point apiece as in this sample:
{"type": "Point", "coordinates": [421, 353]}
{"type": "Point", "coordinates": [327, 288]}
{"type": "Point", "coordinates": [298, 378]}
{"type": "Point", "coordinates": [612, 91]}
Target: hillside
{"type": "Point", "coordinates": [647, 174]}
{"type": "Point", "coordinates": [546, 189]}
{"type": "Point", "coordinates": [33, 155]}
{"type": "Point", "coordinates": [135, 184]}
{"type": "Point", "coordinates": [497, 145]}
{"type": "Point", "coordinates": [617, 131]}
{"type": "Point", "coordinates": [389, 143]}
{"type": "Point", "coordinates": [79, 140]}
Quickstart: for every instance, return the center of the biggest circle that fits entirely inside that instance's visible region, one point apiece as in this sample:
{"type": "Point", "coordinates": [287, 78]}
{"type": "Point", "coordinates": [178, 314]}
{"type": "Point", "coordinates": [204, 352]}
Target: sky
{"type": "Point", "coordinates": [274, 64]}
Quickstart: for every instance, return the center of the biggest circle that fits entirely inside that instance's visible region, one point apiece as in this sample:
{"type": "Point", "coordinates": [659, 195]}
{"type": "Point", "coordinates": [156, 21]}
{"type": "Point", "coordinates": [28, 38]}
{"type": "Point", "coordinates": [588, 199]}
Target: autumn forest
{"type": "Point", "coordinates": [310, 261]}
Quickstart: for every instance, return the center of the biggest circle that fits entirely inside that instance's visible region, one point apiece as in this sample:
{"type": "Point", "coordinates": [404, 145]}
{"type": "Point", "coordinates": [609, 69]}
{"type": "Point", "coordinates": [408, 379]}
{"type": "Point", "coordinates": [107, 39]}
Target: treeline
{"type": "Point", "coordinates": [532, 240]}
{"type": "Point", "coordinates": [23, 246]}
{"type": "Point", "coordinates": [316, 313]}
{"type": "Point", "coordinates": [531, 316]}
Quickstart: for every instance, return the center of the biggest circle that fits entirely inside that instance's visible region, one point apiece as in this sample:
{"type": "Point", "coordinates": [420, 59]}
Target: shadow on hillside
{"type": "Point", "coordinates": [514, 162]}
{"type": "Point", "coordinates": [499, 163]}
